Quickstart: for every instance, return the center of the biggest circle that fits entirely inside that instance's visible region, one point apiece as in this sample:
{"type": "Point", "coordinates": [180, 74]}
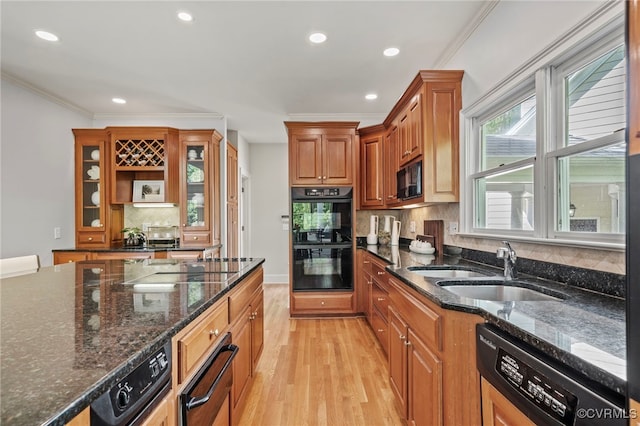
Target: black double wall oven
{"type": "Point", "coordinates": [322, 242]}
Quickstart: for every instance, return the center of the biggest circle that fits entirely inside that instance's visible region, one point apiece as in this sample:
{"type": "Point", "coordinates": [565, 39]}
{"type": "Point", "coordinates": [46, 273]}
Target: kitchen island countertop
{"type": "Point", "coordinates": [69, 332]}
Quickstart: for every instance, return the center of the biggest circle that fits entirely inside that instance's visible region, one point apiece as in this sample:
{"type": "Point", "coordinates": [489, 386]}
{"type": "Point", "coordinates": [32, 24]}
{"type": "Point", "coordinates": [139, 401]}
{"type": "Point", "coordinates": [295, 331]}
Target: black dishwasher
{"type": "Point", "coordinates": [544, 391]}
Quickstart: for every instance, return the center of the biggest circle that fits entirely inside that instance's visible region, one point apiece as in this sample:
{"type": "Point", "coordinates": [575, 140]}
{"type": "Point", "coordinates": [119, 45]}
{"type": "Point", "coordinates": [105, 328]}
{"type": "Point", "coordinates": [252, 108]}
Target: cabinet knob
{"type": "Point", "coordinates": [90, 238]}
{"type": "Point", "coordinates": [215, 333]}
{"type": "Point", "coordinates": [379, 199]}
{"type": "Point", "coordinates": [324, 177]}
{"type": "Point", "coordinates": [366, 261]}
{"type": "Point", "coordinates": [380, 330]}
{"type": "Point", "coordinates": [381, 299]}
{"type": "Point", "coordinates": [380, 272]}
{"type": "Point", "coordinates": [322, 303]}
{"type": "Point", "coordinates": [402, 337]}
{"type": "Point", "coordinates": [319, 177]}
{"type": "Point", "coordinates": [195, 238]}
{"type": "Point", "coordinates": [407, 343]}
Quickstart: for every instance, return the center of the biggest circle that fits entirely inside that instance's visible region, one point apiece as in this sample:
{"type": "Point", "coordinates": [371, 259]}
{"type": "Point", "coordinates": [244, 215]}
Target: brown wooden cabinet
{"type": "Point", "coordinates": [410, 124]}
{"type": "Point", "coordinates": [60, 257]}
{"type": "Point", "coordinates": [633, 37]}
{"type": "Point", "coordinates": [164, 413]}
{"type": "Point", "coordinates": [246, 315]}
{"type": "Point", "coordinates": [233, 216]}
{"type": "Point", "coordinates": [200, 189]}
{"type": "Point", "coordinates": [98, 223]}
{"type": "Point", "coordinates": [497, 410]}
{"type": "Point", "coordinates": [391, 165]}
{"type": "Point", "coordinates": [432, 364]}
{"type": "Point", "coordinates": [321, 153]}
{"type": "Point", "coordinates": [372, 167]}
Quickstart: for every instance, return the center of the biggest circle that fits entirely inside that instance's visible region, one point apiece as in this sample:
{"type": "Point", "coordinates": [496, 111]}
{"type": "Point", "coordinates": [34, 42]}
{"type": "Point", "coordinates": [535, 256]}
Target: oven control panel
{"type": "Point", "coordinates": [547, 395]}
{"type": "Point", "coordinates": [130, 395]}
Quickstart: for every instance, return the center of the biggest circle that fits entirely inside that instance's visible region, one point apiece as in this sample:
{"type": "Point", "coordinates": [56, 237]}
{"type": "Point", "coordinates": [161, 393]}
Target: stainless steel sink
{"type": "Point", "coordinates": [447, 272]}
{"type": "Point", "coordinates": [501, 290]}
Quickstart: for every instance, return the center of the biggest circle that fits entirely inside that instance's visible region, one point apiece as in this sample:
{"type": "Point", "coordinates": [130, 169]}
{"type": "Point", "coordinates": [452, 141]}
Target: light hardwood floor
{"type": "Point", "coordinates": [318, 372]}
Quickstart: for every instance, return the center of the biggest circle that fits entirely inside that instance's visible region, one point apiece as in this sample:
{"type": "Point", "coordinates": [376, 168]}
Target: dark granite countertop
{"type": "Point", "coordinates": [69, 332]}
{"type": "Point", "coordinates": [585, 331]}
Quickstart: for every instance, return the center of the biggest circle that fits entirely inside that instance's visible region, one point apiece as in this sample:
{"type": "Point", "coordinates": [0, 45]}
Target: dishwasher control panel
{"type": "Point", "coordinates": [547, 395]}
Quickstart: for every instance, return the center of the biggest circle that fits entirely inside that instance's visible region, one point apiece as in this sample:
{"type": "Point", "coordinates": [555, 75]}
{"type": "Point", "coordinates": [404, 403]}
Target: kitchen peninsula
{"type": "Point", "coordinates": [71, 331]}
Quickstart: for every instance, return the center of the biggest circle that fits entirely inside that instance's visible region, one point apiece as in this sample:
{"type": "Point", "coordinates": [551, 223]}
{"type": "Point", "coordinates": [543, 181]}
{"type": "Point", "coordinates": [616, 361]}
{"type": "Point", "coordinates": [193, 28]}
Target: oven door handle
{"type": "Point", "coordinates": [197, 401]}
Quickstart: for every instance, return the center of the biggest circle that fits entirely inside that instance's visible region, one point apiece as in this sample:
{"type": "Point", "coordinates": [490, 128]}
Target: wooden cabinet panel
{"type": "Point", "coordinates": [257, 327]}
{"type": "Point", "coordinates": [424, 384]}
{"type": "Point", "coordinates": [195, 345]}
{"type": "Point", "coordinates": [497, 410]}
{"type": "Point", "coordinates": [196, 239]}
{"type": "Point", "coordinates": [321, 153]}
{"type": "Point", "coordinates": [322, 303]}
{"type": "Point", "coordinates": [240, 298]}
{"type": "Point", "coordinates": [391, 165]}
{"type": "Point", "coordinates": [380, 328]}
{"type": "Point", "coordinates": [306, 159]}
{"type": "Point", "coordinates": [371, 166]}
{"type": "Point", "coordinates": [232, 173]}
{"type": "Point", "coordinates": [164, 414]}
{"type": "Point", "coordinates": [380, 297]}
{"type": "Point", "coordinates": [633, 79]}
{"type": "Point", "coordinates": [119, 255]}
{"type": "Point", "coordinates": [186, 255]}
{"type": "Point", "coordinates": [337, 159]}
{"type": "Point", "coordinates": [60, 257]}
{"type": "Point", "coordinates": [398, 359]}
{"type": "Point", "coordinates": [242, 363]}
{"type": "Point", "coordinates": [82, 419]}
{"type": "Point", "coordinates": [233, 229]}
{"type": "Point", "coordinates": [223, 417]}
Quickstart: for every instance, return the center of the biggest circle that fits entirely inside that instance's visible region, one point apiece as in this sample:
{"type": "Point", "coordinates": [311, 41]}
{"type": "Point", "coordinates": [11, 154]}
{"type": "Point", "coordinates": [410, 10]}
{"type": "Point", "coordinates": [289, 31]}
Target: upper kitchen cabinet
{"type": "Point", "coordinates": [95, 217]}
{"type": "Point", "coordinates": [390, 166]}
{"type": "Point", "coordinates": [410, 126]}
{"type": "Point", "coordinates": [200, 187]}
{"type": "Point", "coordinates": [372, 167]}
{"type": "Point", "coordinates": [321, 153]}
{"type": "Point", "coordinates": [143, 154]}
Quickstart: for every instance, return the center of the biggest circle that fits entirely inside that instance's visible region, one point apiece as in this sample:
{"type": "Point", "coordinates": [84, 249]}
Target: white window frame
{"type": "Point", "coordinates": [543, 76]}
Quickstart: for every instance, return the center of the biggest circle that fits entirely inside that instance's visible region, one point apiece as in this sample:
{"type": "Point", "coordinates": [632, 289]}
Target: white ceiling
{"type": "Point", "coordinates": [248, 61]}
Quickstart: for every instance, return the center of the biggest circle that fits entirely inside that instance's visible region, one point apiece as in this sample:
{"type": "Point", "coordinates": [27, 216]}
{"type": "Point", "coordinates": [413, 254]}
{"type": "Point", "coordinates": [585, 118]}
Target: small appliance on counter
{"type": "Point", "coordinates": [163, 236]}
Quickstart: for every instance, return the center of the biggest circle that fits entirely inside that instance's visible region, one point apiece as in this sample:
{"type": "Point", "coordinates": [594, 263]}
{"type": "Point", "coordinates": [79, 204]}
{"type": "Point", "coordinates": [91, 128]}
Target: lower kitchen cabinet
{"type": "Point", "coordinates": [110, 255]}
{"type": "Point", "coordinates": [163, 414]}
{"type": "Point", "coordinates": [321, 303]}
{"type": "Point", "coordinates": [246, 314]}
{"type": "Point", "coordinates": [497, 410]}
{"type": "Point", "coordinates": [432, 366]}
{"type": "Point", "coordinates": [82, 419]}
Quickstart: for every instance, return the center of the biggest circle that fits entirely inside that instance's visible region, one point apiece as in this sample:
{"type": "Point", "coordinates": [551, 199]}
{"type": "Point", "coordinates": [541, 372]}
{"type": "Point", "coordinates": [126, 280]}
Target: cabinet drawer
{"type": "Point", "coordinates": [380, 329]}
{"type": "Point", "coordinates": [426, 322]}
{"type": "Point", "coordinates": [240, 298]}
{"type": "Point", "coordinates": [190, 239]}
{"type": "Point", "coordinates": [119, 255]}
{"type": "Point", "coordinates": [69, 256]}
{"type": "Point", "coordinates": [380, 297]}
{"type": "Point", "coordinates": [200, 339]}
{"type": "Point", "coordinates": [378, 271]}
{"type": "Point", "coordinates": [88, 238]}
{"type": "Point", "coordinates": [323, 303]}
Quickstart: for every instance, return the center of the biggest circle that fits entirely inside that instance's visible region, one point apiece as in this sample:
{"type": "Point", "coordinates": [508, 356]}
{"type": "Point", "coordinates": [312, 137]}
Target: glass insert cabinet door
{"type": "Point", "coordinates": [196, 198]}
{"type": "Point", "coordinates": [92, 191]}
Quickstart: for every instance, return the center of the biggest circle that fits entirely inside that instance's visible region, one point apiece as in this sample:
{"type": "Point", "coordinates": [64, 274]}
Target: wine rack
{"type": "Point", "coordinates": [139, 153]}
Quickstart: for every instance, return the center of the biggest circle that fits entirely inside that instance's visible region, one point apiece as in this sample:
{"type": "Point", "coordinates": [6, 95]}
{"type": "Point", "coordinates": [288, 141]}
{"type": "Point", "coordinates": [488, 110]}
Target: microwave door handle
{"type": "Point", "coordinates": [197, 401]}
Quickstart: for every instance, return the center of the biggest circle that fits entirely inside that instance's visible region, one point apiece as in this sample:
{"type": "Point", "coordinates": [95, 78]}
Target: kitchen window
{"type": "Point", "coordinates": [545, 154]}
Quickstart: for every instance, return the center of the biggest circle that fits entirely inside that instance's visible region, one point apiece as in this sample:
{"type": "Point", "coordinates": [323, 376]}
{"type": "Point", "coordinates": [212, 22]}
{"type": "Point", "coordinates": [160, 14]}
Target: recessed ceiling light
{"type": "Point", "coordinates": [46, 35]}
{"type": "Point", "coordinates": [371, 96]}
{"type": "Point", "coordinates": [317, 38]}
{"type": "Point", "coordinates": [118, 101]}
{"type": "Point", "coordinates": [185, 16]}
{"type": "Point", "coordinates": [391, 51]}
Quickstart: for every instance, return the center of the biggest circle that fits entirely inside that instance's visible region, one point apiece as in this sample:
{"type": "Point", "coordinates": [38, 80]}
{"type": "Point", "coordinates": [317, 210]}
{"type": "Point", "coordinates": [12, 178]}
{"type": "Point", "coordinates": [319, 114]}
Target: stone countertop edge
{"type": "Point", "coordinates": [557, 356]}
{"type": "Point", "coordinates": [129, 365]}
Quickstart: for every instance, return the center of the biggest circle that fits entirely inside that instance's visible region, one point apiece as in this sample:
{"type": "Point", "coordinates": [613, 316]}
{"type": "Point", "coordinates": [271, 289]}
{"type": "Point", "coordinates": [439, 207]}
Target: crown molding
{"type": "Point", "coordinates": [44, 94]}
{"type": "Point", "coordinates": [133, 115]}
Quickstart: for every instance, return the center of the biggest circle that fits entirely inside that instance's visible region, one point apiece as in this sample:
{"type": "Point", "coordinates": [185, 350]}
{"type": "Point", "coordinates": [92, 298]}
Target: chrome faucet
{"type": "Point", "coordinates": [509, 255]}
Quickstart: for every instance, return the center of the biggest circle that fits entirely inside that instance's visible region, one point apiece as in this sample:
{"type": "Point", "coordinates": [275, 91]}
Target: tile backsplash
{"type": "Point", "coordinates": [135, 217]}
{"type": "Point", "coordinates": [597, 259]}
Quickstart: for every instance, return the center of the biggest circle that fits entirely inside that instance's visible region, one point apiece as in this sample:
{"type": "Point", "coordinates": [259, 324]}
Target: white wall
{"type": "Point", "coordinates": [37, 173]}
{"type": "Point", "coordinates": [512, 34]}
{"type": "Point", "coordinates": [269, 201]}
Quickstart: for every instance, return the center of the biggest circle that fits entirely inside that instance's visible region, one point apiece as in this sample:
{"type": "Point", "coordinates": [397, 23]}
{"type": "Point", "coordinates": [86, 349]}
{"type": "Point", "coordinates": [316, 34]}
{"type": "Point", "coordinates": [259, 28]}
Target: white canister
{"type": "Point", "coordinates": [95, 154]}
{"type": "Point", "coordinates": [95, 197]}
{"type": "Point", "coordinates": [395, 233]}
{"type": "Point", "coordinates": [373, 226]}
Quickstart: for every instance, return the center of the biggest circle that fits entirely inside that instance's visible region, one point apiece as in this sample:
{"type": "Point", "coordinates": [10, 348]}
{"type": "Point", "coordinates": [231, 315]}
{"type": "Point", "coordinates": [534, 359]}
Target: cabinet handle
{"type": "Point", "coordinates": [324, 177]}
{"type": "Point", "coordinates": [215, 333]}
{"type": "Point", "coordinates": [366, 261]}
{"type": "Point", "coordinates": [380, 272]}
{"type": "Point", "coordinates": [381, 299]}
{"type": "Point", "coordinates": [184, 224]}
{"type": "Point", "coordinates": [379, 199]}
{"type": "Point", "coordinates": [402, 337]}
{"type": "Point", "coordinates": [381, 330]}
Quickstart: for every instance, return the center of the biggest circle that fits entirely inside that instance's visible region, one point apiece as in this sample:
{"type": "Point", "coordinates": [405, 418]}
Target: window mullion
{"type": "Point", "coordinates": [544, 137]}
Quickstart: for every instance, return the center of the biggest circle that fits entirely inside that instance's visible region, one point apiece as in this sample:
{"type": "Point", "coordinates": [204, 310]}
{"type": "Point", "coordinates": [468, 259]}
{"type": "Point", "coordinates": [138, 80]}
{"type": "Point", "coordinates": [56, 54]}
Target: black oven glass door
{"type": "Point", "coordinates": [204, 396]}
{"type": "Point", "coordinates": [321, 226]}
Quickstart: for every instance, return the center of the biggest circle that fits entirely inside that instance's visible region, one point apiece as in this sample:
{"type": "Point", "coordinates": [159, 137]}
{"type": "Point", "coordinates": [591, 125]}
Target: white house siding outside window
{"type": "Point", "coordinates": [546, 161]}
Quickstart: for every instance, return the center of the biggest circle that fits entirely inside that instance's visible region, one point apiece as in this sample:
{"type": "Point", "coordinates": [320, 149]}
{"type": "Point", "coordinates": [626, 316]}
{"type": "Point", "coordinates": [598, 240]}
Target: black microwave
{"type": "Point", "coordinates": [410, 181]}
